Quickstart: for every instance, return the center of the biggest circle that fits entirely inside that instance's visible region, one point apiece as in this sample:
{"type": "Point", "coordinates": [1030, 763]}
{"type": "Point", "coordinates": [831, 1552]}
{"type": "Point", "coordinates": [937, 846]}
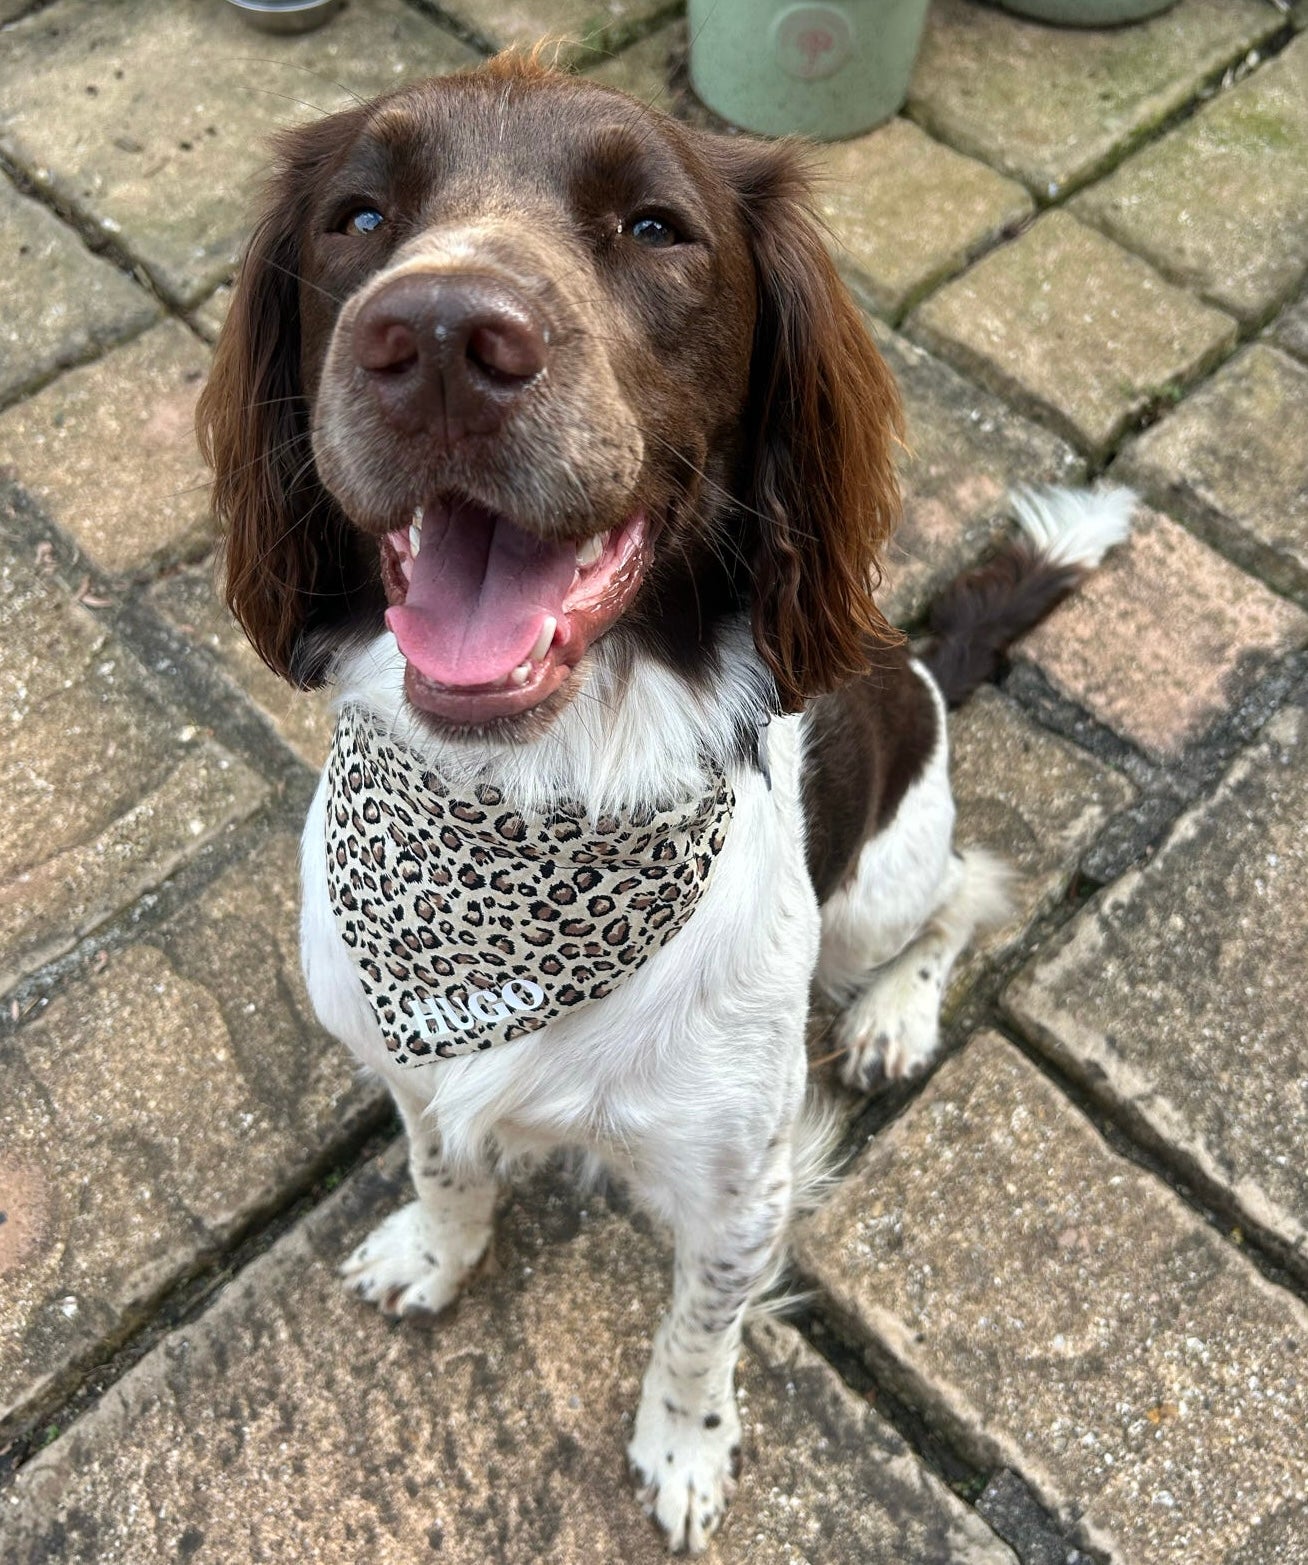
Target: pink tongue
{"type": "Point", "coordinates": [480, 589]}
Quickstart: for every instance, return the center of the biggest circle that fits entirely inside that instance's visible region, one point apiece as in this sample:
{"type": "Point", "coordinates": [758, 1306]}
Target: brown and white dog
{"type": "Point", "coordinates": [546, 432]}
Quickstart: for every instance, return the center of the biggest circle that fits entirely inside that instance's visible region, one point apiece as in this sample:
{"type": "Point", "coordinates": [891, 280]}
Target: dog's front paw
{"type": "Point", "coordinates": [892, 1031]}
{"type": "Point", "coordinates": [686, 1467]}
{"type": "Point", "coordinates": [407, 1267]}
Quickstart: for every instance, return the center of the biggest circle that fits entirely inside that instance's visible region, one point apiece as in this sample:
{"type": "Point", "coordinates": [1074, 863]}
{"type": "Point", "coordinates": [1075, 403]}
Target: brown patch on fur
{"type": "Point", "coordinates": [864, 745]}
{"type": "Point", "coordinates": [825, 419]}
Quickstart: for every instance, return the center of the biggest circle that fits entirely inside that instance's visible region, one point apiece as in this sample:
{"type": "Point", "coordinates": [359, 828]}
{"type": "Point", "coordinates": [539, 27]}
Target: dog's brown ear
{"type": "Point", "coordinates": [824, 422]}
{"type": "Point", "coordinates": [289, 557]}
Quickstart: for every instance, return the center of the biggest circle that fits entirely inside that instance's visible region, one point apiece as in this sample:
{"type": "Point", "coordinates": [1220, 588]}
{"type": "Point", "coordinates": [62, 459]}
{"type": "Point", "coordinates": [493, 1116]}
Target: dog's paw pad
{"type": "Point", "coordinates": [400, 1266]}
{"type": "Point", "coordinates": [686, 1473]}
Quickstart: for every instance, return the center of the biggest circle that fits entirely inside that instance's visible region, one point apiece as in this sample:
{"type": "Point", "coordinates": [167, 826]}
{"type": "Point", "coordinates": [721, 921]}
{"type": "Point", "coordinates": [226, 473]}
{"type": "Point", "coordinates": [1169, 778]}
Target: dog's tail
{"type": "Point", "coordinates": [1065, 534]}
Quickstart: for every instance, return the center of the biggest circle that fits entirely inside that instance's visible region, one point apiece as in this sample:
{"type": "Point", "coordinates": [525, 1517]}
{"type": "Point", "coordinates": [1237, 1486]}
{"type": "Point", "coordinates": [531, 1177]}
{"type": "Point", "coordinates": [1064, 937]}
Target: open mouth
{"type": "Point", "coordinates": [492, 619]}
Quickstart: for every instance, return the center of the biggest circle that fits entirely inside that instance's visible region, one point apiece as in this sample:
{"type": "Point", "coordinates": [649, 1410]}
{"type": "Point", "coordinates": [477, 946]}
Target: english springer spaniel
{"type": "Point", "coordinates": [545, 430]}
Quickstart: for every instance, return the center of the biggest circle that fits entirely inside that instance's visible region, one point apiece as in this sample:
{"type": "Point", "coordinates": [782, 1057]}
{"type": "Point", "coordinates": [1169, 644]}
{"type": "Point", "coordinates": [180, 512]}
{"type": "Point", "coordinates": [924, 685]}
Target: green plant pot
{"type": "Point", "coordinates": [1087, 13]}
{"type": "Point", "coordinates": [827, 69]}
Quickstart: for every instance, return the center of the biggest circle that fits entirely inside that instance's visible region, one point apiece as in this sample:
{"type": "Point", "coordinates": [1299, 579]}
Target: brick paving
{"type": "Point", "coordinates": [1056, 1307]}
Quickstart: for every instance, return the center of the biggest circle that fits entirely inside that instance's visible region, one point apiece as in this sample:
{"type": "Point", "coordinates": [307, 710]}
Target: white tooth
{"type": "Point", "coordinates": [406, 569]}
{"type": "Point", "coordinates": [590, 551]}
{"type": "Point", "coordinates": [519, 674]}
{"type": "Point", "coordinates": [544, 641]}
{"type": "Point", "coordinates": [417, 516]}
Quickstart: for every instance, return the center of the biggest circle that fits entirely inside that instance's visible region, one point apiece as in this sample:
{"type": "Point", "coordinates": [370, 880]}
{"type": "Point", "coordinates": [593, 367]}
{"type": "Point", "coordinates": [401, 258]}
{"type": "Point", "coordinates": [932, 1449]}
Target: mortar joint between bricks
{"type": "Point", "coordinates": [1120, 1132]}
{"type": "Point", "coordinates": [96, 240]}
{"type": "Point", "coordinates": [75, 1394]}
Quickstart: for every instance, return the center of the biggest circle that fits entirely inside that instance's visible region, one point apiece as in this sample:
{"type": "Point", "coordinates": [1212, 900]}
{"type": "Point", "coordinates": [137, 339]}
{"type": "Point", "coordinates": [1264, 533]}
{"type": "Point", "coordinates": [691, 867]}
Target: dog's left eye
{"type": "Point", "coordinates": [364, 221]}
{"type": "Point", "coordinates": [654, 233]}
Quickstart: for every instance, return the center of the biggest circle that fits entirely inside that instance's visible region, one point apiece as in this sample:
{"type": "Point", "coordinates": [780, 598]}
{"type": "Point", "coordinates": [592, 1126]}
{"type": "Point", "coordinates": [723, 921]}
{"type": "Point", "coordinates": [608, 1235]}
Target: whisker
{"type": "Point", "coordinates": [295, 65]}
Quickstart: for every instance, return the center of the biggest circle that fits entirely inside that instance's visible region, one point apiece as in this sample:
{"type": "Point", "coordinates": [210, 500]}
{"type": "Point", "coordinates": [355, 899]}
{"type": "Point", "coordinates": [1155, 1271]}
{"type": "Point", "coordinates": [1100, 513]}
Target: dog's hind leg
{"type": "Point", "coordinates": [892, 933]}
{"type": "Point", "coordinates": [419, 1258]}
{"type": "Point", "coordinates": [890, 1030]}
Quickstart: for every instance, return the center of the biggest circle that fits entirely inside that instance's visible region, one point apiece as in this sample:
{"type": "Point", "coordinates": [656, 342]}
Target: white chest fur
{"type": "Point", "coordinates": [635, 1074]}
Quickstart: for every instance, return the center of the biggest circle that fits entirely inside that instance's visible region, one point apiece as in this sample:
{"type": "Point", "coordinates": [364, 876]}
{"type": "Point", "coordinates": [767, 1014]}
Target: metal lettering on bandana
{"type": "Point", "coordinates": [471, 923]}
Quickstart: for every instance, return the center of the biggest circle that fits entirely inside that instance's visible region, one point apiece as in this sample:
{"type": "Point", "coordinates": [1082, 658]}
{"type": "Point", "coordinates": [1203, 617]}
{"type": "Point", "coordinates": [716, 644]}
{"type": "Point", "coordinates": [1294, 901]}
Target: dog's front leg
{"type": "Point", "coordinates": [420, 1257]}
{"type": "Point", "coordinates": [686, 1446]}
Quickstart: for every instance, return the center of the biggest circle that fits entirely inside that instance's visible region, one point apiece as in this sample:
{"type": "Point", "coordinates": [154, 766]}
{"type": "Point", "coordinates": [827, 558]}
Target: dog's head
{"type": "Point", "coordinates": [518, 363]}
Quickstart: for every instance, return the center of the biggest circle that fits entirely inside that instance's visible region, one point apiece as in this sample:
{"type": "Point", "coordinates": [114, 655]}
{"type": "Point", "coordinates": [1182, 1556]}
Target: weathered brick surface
{"type": "Point", "coordinates": [59, 304]}
{"type": "Point", "coordinates": [1175, 996]}
{"type": "Point", "coordinates": [597, 24]}
{"type": "Point", "coordinates": [1030, 797]}
{"type": "Point", "coordinates": [1291, 328]}
{"type": "Point", "coordinates": [151, 1110]}
{"type": "Point", "coordinates": [645, 68]}
{"type": "Point", "coordinates": [109, 452]}
{"type": "Point", "coordinates": [1164, 638]}
{"type": "Point", "coordinates": [1233, 461]}
{"type": "Point", "coordinates": [188, 600]}
{"type": "Point", "coordinates": [907, 211]}
{"type": "Point", "coordinates": [964, 451]}
{"type": "Point", "coordinates": [291, 1423]}
{"type": "Point", "coordinates": [151, 119]}
{"type": "Point", "coordinates": [1053, 105]}
{"type": "Point", "coordinates": [1062, 1313]}
{"type": "Point", "coordinates": [1069, 323]}
{"type": "Point", "coordinates": [1221, 203]}
{"type": "Point", "coordinates": [105, 792]}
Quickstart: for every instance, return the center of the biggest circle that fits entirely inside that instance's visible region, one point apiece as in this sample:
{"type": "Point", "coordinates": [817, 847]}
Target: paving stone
{"type": "Point", "coordinates": [1032, 798]}
{"type": "Point", "coordinates": [1055, 105]}
{"type": "Point", "coordinates": [105, 792]}
{"type": "Point", "coordinates": [151, 119]}
{"type": "Point", "coordinates": [1066, 321]}
{"type": "Point", "coordinates": [1291, 328]}
{"type": "Point", "coordinates": [1060, 1312]}
{"type": "Point", "coordinates": [965, 450]}
{"type": "Point", "coordinates": [1221, 203]}
{"type": "Point", "coordinates": [644, 69]}
{"type": "Point", "coordinates": [109, 452]}
{"type": "Point", "coordinates": [1233, 460]}
{"type": "Point", "coordinates": [597, 24]}
{"type": "Point", "coordinates": [59, 304]}
{"type": "Point", "coordinates": [1179, 996]}
{"type": "Point", "coordinates": [907, 212]}
{"type": "Point", "coordinates": [155, 1107]}
{"type": "Point", "coordinates": [289, 1422]}
{"type": "Point", "coordinates": [303, 719]}
{"type": "Point", "coordinates": [1164, 638]}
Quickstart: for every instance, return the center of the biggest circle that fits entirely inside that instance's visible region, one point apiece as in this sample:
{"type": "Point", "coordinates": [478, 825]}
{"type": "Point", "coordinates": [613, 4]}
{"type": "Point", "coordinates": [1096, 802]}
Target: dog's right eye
{"type": "Point", "coordinates": [364, 221]}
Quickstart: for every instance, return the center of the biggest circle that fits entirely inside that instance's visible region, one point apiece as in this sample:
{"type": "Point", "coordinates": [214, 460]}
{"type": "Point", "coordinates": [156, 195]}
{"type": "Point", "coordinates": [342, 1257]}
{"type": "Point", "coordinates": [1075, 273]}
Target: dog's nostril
{"type": "Point", "coordinates": [507, 349]}
{"type": "Point", "coordinates": [385, 346]}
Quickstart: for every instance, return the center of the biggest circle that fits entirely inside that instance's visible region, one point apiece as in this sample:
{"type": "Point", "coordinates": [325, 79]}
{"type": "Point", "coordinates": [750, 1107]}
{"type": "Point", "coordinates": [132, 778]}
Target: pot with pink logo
{"type": "Point", "coordinates": [824, 68]}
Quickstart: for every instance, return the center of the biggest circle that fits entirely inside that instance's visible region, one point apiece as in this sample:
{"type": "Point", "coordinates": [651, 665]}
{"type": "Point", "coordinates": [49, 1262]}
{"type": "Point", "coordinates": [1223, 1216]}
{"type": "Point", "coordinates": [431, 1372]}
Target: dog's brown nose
{"type": "Point", "coordinates": [448, 355]}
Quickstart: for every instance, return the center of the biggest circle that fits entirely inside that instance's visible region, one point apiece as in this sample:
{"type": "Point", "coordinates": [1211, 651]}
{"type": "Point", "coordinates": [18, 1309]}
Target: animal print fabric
{"type": "Point", "coordinates": [471, 922]}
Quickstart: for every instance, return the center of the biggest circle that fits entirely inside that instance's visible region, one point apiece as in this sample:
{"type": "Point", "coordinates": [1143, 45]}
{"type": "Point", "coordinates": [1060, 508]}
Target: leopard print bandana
{"type": "Point", "coordinates": [471, 923]}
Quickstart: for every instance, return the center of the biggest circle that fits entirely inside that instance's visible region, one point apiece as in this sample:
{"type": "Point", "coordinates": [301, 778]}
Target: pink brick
{"type": "Point", "coordinates": [1164, 638]}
